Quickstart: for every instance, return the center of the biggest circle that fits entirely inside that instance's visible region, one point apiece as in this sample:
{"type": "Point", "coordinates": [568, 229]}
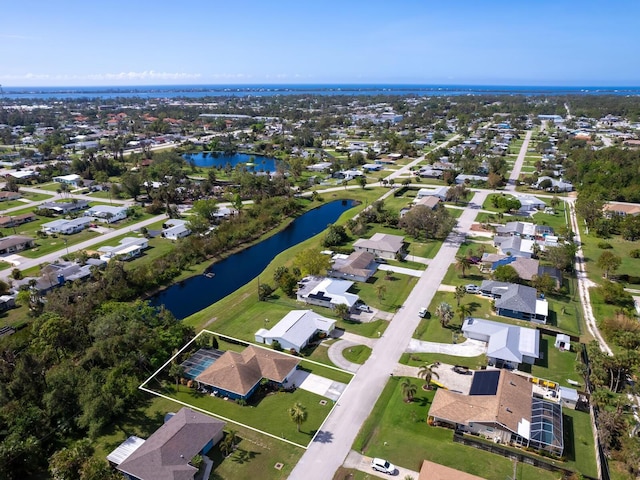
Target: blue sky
{"type": "Point", "coordinates": [143, 42]}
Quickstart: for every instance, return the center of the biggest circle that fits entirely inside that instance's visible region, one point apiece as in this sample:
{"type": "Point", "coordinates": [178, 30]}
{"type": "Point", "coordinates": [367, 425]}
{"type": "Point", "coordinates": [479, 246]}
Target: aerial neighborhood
{"type": "Point", "coordinates": [320, 287]}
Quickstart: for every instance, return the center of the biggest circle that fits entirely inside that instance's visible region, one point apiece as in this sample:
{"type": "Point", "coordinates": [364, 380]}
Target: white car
{"type": "Point", "coordinates": [363, 308]}
{"type": "Point", "coordinates": [423, 312]}
{"type": "Point", "coordinates": [383, 466]}
{"type": "Point", "coordinates": [471, 288]}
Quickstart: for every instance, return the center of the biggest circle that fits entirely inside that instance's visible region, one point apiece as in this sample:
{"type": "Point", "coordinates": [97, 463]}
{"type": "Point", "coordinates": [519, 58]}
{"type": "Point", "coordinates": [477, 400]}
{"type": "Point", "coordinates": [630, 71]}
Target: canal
{"type": "Point", "coordinates": [198, 292]}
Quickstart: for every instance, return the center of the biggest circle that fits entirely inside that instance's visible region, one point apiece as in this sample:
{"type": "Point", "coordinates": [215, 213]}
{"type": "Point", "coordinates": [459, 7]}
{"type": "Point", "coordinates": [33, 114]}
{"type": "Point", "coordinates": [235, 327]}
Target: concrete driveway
{"type": "Point", "coordinates": [469, 348]}
{"type": "Point", "coordinates": [404, 271]}
{"type": "Point", "coordinates": [363, 463]}
{"type": "Point", "coordinates": [456, 382]}
{"type": "Point", "coordinates": [325, 387]}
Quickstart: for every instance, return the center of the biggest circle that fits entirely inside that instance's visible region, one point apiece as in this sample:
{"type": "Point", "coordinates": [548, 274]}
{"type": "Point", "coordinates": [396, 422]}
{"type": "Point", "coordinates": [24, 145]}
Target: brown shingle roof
{"type": "Point", "coordinates": [357, 263]}
{"type": "Point", "coordinates": [239, 372]}
{"type": "Point", "coordinates": [510, 404]}
{"type": "Point", "coordinates": [166, 454]}
{"type": "Point", "coordinates": [430, 201]}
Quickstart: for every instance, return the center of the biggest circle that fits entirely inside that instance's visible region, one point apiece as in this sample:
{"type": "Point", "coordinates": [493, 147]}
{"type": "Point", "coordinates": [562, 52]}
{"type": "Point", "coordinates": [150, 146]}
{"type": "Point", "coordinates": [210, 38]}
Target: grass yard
{"type": "Point", "coordinates": [385, 292]}
{"type": "Point", "coordinates": [52, 244]}
{"type": "Point", "coordinates": [357, 354]}
{"type": "Point", "coordinates": [578, 441]}
{"type": "Point", "coordinates": [398, 432]}
{"type": "Point", "coordinates": [419, 359]}
{"type": "Point", "coordinates": [555, 365]}
{"type": "Point", "coordinates": [32, 197]}
{"type": "Point", "coordinates": [269, 415]}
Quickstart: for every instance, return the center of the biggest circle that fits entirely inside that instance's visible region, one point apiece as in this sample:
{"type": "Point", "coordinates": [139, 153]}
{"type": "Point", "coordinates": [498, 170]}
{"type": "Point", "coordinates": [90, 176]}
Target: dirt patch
{"type": "Point", "coordinates": [476, 227]}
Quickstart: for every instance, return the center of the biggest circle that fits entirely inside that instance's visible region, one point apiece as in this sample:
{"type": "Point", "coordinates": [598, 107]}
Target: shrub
{"type": "Point", "coordinates": [276, 345]}
{"type": "Point", "coordinates": [604, 245]}
{"type": "Point", "coordinates": [635, 253]}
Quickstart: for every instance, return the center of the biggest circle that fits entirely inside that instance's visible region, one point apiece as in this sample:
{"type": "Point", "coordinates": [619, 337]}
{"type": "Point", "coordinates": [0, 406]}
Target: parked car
{"type": "Point", "coordinates": [423, 312]}
{"type": "Point", "coordinates": [363, 308]}
{"type": "Point", "coordinates": [462, 370]}
{"type": "Point", "coordinates": [471, 288]}
{"type": "Point", "coordinates": [383, 466]}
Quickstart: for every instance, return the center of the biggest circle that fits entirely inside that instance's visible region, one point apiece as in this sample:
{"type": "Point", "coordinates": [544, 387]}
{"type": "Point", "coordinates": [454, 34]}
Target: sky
{"type": "Point", "coordinates": [203, 42]}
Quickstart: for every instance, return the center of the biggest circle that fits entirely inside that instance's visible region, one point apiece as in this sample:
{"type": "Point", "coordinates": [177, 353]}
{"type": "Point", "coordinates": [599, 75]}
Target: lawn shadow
{"type": "Point", "coordinates": [568, 437]}
{"type": "Point", "coordinates": [543, 360]}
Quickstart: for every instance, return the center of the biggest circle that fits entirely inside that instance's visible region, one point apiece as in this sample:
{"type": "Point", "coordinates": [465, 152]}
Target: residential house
{"type": "Point", "coordinates": [514, 246]}
{"type": "Point", "coordinates": [108, 213]}
{"type": "Point", "coordinates": [57, 274]}
{"type": "Point", "coordinates": [382, 245]}
{"type": "Point", "coordinates": [7, 302]}
{"type": "Point", "coordinates": [23, 174]}
{"type": "Point", "coordinates": [431, 202]}
{"type": "Point", "coordinates": [16, 220]}
{"type": "Point", "coordinates": [64, 208]}
{"type": "Point", "coordinates": [238, 375]}
{"type": "Point", "coordinates": [530, 203]}
{"type": "Point", "coordinates": [326, 292]}
{"type": "Point", "coordinates": [167, 453]}
{"type": "Point", "coordinates": [66, 227]}
{"type": "Point", "coordinates": [462, 179]}
{"type": "Point", "coordinates": [174, 228]}
{"type": "Point", "coordinates": [556, 185]}
{"type": "Point", "coordinates": [15, 243]}
{"type": "Point", "coordinates": [7, 196]}
{"type": "Point", "coordinates": [358, 266]}
{"type": "Point", "coordinates": [296, 330]}
{"type": "Point", "coordinates": [516, 301]}
{"type": "Point", "coordinates": [439, 192]}
{"type": "Point", "coordinates": [72, 180]}
{"type": "Point", "coordinates": [623, 209]}
{"type": "Point", "coordinates": [128, 248]}
{"type": "Point", "coordinates": [526, 230]}
{"type": "Point", "coordinates": [426, 172]}
{"type": "Point", "coordinates": [507, 345]}
{"type": "Point", "coordinates": [501, 407]}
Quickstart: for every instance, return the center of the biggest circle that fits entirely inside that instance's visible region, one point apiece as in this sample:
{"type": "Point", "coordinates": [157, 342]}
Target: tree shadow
{"type": "Point", "coordinates": [243, 456]}
{"type": "Point", "coordinates": [322, 436]}
{"type": "Point", "coordinates": [543, 360]}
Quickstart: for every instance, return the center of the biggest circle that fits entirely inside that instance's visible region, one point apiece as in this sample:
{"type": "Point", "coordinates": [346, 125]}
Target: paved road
{"type": "Point", "coordinates": [322, 459]}
{"type": "Point", "coordinates": [51, 257]}
{"type": "Point", "coordinates": [517, 166]}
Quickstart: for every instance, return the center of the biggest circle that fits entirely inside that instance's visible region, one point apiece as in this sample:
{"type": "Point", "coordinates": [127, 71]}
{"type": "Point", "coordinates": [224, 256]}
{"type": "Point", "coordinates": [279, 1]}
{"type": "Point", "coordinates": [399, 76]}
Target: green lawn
{"type": "Point", "coordinates": [269, 415]}
{"type": "Point", "coordinates": [383, 291]}
{"type": "Point", "coordinates": [398, 431]}
{"type": "Point", "coordinates": [579, 446]}
{"type": "Point", "coordinates": [33, 197]}
{"type": "Point", "coordinates": [357, 354]}
{"type": "Point", "coordinates": [555, 365]}
{"type": "Point", "coordinates": [52, 244]}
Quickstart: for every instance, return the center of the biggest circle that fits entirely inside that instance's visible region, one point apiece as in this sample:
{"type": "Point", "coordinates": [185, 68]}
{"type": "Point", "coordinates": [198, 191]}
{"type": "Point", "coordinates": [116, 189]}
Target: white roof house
{"type": "Point", "coordinates": [108, 213]}
{"type": "Point", "coordinates": [326, 292]}
{"type": "Point", "coordinates": [72, 179]}
{"type": "Point", "coordinates": [440, 192]}
{"type": "Point", "coordinates": [175, 229]}
{"type": "Point", "coordinates": [529, 203]}
{"type": "Point", "coordinates": [129, 247]}
{"type": "Point", "coordinates": [509, 344]}
{"type": "Point", "coordinates": [296, 329]}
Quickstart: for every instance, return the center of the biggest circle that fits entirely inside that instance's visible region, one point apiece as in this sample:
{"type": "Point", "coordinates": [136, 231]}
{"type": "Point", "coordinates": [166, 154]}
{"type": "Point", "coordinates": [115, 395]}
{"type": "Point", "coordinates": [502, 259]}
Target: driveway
{"type": "Point", "coordinates": [325, 387]}
{"type": "Point", "coordinates": [405, 271]}
{"type": "Point", "coordinates": [456, 382]}
{"type": "Point", "coordinates": [363, 463]}
{"type": "Point", "coordinates": [469, 348]}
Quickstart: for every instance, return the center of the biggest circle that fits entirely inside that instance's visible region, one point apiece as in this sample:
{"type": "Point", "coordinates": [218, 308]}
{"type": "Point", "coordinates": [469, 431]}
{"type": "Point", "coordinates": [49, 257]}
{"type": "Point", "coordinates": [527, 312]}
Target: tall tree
{"type": "Point", "coordinates": [608, 262]}
{"type": "Point", "coordinates": [460, 293]}
{"type": "Point", "coordinates": [408, 390]}
{"type": "Point", "coordinates": [298, 414]}
{"type": "Point", "coordinates": [427, 372]}
{"type": "Point", "coordinates": [463, 264]}
{"type": "Point", "coordinates": [445, 313]}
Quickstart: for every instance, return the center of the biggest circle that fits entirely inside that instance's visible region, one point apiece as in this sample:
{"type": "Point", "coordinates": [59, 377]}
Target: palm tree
{"type": "Point", "coordinates": [462, 264]}
{"type": "Point", "coordinates": [227, 445]}
{"type": "Point", "coordinates": [408, 390]}
{"type": "Point", "coordinates": [445, 313]}
{"type": "Point", "coordinates": [381, 290]}
{"type": "Point", "coordinates": [464, 311]}
{"type": "Point", "coordinates": [342, 310]}
{"type": "Point", "coordinates": [176, 371]}
{"type": "Point", "coordinates": [460, 292]}
{"type": "Point", "coordinates": [427, 372]}
{"type": "Point", "coordinates": [298, 414]}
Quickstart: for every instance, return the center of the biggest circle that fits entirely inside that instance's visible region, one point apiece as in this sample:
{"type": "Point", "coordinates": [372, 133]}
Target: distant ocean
{"type": "Point", "coordinates": [202, 91]}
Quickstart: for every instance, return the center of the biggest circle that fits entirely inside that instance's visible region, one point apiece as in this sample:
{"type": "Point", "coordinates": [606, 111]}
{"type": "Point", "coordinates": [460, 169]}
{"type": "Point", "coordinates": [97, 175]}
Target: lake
{"type": "Point", "coordinates": [255, 163]}
{"type": "Point", "coordinates": [194, 294]}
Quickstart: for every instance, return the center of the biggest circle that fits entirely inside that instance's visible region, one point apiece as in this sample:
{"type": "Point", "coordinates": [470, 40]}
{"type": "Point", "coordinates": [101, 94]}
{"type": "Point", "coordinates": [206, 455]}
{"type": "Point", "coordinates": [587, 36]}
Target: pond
{"type": "Point", "coordinates": [257, 163]}
{"type": "Point", "coordinates": [226, 276]}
